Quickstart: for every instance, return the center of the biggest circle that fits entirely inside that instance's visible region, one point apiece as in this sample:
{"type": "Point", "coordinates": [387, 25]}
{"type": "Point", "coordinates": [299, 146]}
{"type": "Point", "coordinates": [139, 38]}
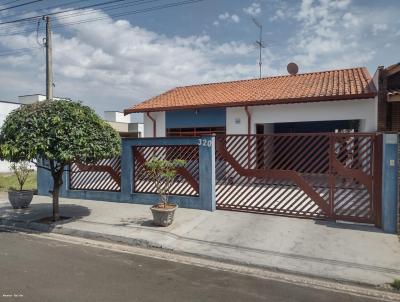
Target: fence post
{"type": "Point", "coordinates": [126, 170]}
{"type": "Point", "coordinates": [389, 182]}
{"type": "Point", "coordinates": [207, 172]}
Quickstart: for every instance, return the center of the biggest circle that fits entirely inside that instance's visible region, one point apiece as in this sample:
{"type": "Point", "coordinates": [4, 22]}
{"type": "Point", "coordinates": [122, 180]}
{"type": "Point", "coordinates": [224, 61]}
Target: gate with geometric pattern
{"type": "Point", "coordinates": [323, 176]}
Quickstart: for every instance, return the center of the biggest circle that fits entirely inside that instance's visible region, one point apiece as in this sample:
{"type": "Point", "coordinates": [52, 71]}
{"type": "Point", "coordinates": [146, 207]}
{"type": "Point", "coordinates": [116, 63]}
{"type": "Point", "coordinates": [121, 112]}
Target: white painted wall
{"type": "Point", "coordinates": [141, 129]}
{"type": "Point", "coordinates": [364, 110]}
{"type": "Point", "coordinates": [116, 116]}
{"type": "Point", "coordinates": [148, 124]}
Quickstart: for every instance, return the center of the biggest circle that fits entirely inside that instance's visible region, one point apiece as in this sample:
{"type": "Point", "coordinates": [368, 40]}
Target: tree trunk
{"type": "Point", "coordinates": [56, 208]}
{"type": "Point", "coordinates": [57, 182]}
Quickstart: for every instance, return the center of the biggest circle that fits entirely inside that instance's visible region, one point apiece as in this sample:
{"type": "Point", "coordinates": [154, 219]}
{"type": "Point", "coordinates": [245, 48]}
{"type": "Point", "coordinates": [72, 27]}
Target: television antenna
{"type": "Point", "coordinates": [259, 43]}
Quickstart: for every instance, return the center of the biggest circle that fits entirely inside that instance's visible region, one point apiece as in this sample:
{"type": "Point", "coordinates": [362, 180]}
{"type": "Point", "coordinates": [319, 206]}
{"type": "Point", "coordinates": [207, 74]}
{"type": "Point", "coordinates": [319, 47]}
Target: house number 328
{"type": "Point", "coordinates": [205, 143]}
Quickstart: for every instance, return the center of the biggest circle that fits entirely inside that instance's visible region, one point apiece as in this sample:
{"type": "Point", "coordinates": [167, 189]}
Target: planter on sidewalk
{"type": "Point", "coordinates": [162, 173]}
{"type": "Point", "coordinates": [163, 216]}
{"type": "Point", "coordinates": [20, 199]}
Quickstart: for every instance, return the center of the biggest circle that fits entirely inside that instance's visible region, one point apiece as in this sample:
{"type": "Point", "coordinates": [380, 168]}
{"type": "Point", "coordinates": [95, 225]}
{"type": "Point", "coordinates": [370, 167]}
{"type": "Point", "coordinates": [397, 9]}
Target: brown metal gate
{"type": "Point", "coordinates": [329, 176]}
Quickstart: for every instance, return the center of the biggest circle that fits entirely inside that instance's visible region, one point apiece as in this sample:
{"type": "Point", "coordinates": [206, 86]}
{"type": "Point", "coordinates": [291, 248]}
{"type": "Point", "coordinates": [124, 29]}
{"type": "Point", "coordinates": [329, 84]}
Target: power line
{"type": "Point", "coordinates": [57, 13]}
{"type": "Point", "coordinates": [77, 13]}
{"type": "Point", "coordinates": [18, 51]}
{"type": "Point", "coordinates": [154, 8]}
{"type": "Point", "coordinates": [19, 5]}
{"type": "Point", "coordinates": [10, 2]}
{"type": "Point", "coordinates": [108, 8]}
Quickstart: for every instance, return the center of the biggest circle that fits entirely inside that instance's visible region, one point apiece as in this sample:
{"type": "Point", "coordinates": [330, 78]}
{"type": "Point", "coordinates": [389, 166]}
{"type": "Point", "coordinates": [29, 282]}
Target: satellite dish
{"type": "Point", "coordinates": [292, 68]}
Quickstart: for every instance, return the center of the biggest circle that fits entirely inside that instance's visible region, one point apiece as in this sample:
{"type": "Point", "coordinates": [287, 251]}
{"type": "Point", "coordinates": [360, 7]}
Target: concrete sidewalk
{"type": "Point", "coordinates": [360, 254]}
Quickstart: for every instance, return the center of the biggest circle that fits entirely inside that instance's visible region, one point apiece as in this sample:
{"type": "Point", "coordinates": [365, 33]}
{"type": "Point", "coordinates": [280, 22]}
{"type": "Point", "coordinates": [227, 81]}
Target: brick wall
{"type": "Point", "coordinates": [382, 100]}
{"type": "Point", "coordinates": [395, 116]}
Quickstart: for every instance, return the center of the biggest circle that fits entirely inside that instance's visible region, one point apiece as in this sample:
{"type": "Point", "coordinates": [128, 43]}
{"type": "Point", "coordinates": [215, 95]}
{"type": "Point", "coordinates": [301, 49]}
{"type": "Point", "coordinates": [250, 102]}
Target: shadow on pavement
{"type": "Point", "coordinates": [41, 213]}
{"type": "Point", "coordinates": [349, 226]}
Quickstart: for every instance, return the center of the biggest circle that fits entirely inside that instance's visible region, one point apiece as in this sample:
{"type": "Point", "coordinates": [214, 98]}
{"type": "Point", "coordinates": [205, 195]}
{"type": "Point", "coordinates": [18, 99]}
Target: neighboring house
{"type": "Point", "coordinates": [324, 101]}
{"type": "Point", "coordinates": [388, 83]}
{"type": "Point", "coordinates": [127, 126]}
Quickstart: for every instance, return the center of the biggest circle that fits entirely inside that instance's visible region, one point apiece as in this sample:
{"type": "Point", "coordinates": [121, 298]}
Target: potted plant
{"type": "Point", "coordinates": [163, 173]}
{"type": "Point", "coordinates": [20, 198]}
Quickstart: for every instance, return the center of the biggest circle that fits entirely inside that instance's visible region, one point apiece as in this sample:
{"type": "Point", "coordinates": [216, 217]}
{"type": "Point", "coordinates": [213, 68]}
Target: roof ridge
{"type": "Point", "coordinates": [271, 77]}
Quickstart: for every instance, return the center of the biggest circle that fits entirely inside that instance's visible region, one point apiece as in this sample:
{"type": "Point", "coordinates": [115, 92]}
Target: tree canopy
{"type": "Point", "coordinates": [60, 130]}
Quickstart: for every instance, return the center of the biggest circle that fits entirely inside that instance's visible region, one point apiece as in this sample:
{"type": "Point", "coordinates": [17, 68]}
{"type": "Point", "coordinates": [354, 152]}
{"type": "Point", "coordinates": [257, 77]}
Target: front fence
{"type": "Point", "coordinates": [333, 176]}
{"type": "Point", "coordinates": [105, 175]}
{"type": "Point", "coordinates": [186, 181]}
{"type": "Point", "coordinates": [125, 179]}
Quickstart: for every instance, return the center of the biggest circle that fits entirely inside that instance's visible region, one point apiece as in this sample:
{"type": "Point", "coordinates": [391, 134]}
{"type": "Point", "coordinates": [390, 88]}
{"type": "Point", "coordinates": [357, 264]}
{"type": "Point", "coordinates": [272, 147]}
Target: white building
{"type": "Point", "coordinates": [325, 101]}
{"type": "Point", "coordinates": [126, 125]}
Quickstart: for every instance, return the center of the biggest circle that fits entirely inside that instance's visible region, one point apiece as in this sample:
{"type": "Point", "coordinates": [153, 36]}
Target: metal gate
{"type": "Point", "coordinates": [327, 176]}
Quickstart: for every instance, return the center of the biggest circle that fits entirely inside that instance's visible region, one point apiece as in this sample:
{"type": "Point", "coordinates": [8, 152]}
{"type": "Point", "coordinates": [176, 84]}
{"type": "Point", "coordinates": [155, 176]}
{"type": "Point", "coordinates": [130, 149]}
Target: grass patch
{"type": "Point", "coordinates": [8, 180]}
{"type": "Point", "coordinates": [396, 284]}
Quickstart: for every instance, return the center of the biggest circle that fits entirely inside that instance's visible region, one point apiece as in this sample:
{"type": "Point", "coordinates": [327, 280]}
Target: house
{"type": "Point", "coordinates": [388, 83]}
{"type": "Point", "coordinates": [325, 101]}
{"type": "Point", "coordinates": [125, 126]}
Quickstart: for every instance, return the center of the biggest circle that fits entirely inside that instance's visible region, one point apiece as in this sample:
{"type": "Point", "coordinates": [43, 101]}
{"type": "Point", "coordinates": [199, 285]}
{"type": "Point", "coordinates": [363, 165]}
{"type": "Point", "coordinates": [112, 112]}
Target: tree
{"type": "Point", "coordinates": [53, 135]}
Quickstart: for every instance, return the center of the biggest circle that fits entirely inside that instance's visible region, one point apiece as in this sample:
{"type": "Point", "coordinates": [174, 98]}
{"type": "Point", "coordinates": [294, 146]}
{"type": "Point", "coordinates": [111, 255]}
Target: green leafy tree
{"type": "Point", "coordinates": [162, 173]}
{"type": "Point", "coordinates": [53, 135]}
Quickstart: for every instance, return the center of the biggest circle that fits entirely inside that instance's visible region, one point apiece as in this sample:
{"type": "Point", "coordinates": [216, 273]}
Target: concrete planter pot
{"type": "Point", "coordinates": [20, 199]}
{"type": "Point", "coordinates": [163, 216]}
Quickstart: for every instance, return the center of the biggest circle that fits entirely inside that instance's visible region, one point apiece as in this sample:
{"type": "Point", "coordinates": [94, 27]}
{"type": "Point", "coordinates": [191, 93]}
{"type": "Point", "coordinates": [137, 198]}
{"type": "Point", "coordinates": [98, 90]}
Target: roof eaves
{"type": "Point", "coordinates": [258, 102]}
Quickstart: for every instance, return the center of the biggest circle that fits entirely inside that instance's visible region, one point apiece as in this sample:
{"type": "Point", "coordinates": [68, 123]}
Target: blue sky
{"type": "Point", "coordinates": [118, 61]}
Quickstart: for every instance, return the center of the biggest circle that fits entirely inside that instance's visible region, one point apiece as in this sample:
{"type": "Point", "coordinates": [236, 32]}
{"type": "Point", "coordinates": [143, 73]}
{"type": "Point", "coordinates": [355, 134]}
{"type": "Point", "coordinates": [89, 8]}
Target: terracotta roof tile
{"type": "Point", "coordinates": [353, 83]}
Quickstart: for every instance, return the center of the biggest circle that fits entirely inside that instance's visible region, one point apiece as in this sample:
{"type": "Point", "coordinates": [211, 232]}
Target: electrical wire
{"type": "Point", "coordinates": [10, 2]}
{"type": "Point", "coordinates": [61, 12]}
{"type": "Point", "coordinates": [77, 13]}
{"type": "Point", "coordinates": [18, 51]}
{"type": "Point", "coordinates": [19, 5]}
{"type": "Point", "coordinates": [154, 8]}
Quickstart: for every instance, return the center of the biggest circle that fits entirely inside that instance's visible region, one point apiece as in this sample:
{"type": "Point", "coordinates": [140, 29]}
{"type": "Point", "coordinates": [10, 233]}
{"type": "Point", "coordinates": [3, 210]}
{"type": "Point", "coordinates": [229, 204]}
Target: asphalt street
{"type": "Point", "coordinates": [41, 269]}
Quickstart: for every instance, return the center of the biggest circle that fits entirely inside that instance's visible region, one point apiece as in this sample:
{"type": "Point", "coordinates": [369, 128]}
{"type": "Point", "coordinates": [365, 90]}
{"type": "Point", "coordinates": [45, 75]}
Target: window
{"type": "Point", "coordinates": [195, 131]}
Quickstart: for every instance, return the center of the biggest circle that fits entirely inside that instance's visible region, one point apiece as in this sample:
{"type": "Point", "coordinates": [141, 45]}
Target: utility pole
{"type": "Point", "coordinates": [260, 44]}
{"type": "Point", "coordinates": [49, 61]}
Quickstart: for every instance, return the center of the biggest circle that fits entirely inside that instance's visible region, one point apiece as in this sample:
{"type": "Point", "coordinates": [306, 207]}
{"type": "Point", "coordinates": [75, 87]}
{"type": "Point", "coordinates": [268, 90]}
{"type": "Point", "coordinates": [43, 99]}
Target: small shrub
{"type": "Point", "coordinates": [21, 170]}
{"type": "Point", "coordinates": [163, 173]}
{"type": "Point", "coordinates": [396, 284]}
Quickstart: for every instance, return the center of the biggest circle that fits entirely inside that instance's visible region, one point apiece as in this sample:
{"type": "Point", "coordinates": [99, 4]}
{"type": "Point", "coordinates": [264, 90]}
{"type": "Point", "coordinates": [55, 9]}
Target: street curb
{"type": "Point", "coordinates": [143, 243]}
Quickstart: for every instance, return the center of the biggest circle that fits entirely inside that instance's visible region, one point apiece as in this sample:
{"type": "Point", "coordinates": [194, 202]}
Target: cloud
{"type": "Point", "coordinates": [111, 65]}
{"type": "Point", "coordinates": [227, 17]}
{"type": "Point", "coordinates": [253, 10]}
{"type": "Point", "coordinates": [334, 34]}
{"type": "Point", "coordinates": [378, 28]}
{"type": "Point", "coordinates": [235, 18]}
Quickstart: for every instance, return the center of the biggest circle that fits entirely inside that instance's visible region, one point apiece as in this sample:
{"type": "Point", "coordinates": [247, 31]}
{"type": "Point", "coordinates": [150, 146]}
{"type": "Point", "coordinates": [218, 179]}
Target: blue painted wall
{"type": "Point", "coordinates": [389, 183]}
{"type": "Point", "coordinates": [207, 117]}
{"type": "Point", "coordinates": [205, 200]}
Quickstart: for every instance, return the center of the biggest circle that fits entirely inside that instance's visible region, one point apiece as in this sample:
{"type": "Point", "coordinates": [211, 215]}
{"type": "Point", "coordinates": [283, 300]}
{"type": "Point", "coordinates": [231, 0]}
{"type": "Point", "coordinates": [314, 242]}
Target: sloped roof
{"type": "Point", "coordinates": [343, 84]}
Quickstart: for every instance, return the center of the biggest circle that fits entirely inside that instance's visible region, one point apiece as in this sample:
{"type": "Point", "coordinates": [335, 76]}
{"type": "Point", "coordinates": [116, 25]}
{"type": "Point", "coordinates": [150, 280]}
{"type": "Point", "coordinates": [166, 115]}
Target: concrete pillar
{"type": "Point", "coordinates": [207, 172]}
{"type": "Point", "coordinates": [126, 170]}
{"type": "Point", "coordinates": [389, 182]}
